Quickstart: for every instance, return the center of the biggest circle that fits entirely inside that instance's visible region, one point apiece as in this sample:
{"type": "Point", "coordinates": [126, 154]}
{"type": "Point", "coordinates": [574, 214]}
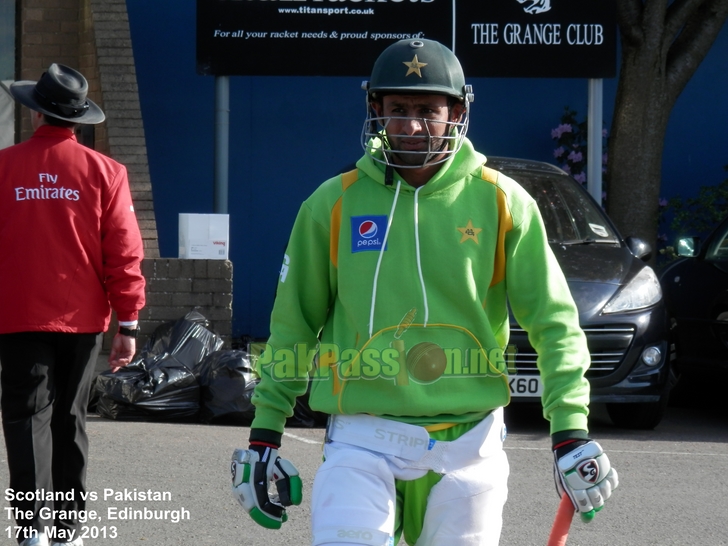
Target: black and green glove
{"type": "Point", "coordinates": [254, 470]}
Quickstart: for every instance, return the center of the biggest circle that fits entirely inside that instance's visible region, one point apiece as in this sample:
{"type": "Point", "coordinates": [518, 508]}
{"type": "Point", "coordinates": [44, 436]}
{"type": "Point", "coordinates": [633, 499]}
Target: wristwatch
{"type": "Point", "coordinates": [124, 331]}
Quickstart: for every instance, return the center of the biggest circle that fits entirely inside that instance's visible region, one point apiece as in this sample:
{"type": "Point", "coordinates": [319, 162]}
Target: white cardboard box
{"type": "Point", "coordinates": [204, 236]}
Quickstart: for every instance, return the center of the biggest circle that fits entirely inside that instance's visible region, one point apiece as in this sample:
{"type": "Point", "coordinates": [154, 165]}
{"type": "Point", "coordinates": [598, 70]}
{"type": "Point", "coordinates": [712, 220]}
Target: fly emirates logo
{"type": "Point", "coordinates": [48, 189]}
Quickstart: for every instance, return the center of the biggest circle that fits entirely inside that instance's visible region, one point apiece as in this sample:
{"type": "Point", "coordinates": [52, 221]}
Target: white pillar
{"type": "Point", "coordinates": [594, 140]}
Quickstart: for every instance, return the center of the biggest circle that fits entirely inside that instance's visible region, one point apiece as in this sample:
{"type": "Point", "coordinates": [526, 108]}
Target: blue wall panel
{"type": "Point", "coordinates": [287, 135]}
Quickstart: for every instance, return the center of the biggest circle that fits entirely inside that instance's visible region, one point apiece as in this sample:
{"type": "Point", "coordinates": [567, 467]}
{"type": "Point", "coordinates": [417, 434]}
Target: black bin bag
{"type": "Point", "coordinates": [151, 389]}
{"type": "Point", "coordinates": [161, 383]}
{"type": "Point", "coordinates": [188, 339]}
{"type": "Point", "coordinates": [303, 415]}
{"type": "Point", "coordinates": [227, 380]}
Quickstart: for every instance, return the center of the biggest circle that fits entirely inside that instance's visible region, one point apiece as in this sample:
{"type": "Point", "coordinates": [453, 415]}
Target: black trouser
{"type": "Point", "coordinates": [46, 378]}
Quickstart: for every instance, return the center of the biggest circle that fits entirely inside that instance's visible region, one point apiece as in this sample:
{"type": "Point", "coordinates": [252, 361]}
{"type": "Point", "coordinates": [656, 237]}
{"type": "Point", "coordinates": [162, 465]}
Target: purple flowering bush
{"type": "Point", "coordinates": [678, 216]}
{"type": "Point", "coordinates": [571, 141]}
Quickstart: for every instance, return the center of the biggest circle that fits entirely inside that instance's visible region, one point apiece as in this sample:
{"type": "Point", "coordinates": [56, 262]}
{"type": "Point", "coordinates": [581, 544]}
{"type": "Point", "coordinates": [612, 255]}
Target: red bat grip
{"type": "Point", "coordinates": [562, 522]}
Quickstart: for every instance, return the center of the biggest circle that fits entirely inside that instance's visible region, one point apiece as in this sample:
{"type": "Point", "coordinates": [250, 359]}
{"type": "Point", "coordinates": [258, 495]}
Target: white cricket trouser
{"type": "Point", "coordinates": [353, 498]}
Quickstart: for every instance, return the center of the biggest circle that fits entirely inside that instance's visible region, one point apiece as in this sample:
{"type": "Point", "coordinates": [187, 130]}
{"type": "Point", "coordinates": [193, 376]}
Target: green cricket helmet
{"type": "Point", "coordinates": [409, 67]}
{"type": "Point", "coordinates": [417, 66]}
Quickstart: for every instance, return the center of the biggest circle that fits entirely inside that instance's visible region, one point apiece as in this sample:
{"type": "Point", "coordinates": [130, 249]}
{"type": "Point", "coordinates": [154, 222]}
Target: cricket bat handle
{"type": "Point", "coordinates": [562, 522]}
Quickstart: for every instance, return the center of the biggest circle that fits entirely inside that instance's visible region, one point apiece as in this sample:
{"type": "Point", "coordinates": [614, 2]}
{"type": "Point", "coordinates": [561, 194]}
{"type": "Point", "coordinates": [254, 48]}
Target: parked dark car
{"type": "Point", "coordinates": [618, 295]}
{"type": "Point", "coordinates": [696, 294]}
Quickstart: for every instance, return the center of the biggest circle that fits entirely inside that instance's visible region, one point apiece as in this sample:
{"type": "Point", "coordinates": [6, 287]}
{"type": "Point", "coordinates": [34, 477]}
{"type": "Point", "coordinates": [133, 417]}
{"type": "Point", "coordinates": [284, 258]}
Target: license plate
{"type": "Point", "coordinates": [525, 385]}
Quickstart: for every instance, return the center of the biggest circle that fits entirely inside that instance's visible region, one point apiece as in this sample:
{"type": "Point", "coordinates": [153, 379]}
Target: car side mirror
{"type": "Point", "coordinates": [688, 247]}
{"type": "Point", "coordinates": [639, 248]}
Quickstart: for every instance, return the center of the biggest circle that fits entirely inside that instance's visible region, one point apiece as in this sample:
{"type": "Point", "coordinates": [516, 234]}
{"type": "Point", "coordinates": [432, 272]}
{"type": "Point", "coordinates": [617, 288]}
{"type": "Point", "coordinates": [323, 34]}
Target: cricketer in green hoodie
{"type": "Point", "coordinates": [393, 305]}
{"type": "Point", "coordinates": [405, 293]}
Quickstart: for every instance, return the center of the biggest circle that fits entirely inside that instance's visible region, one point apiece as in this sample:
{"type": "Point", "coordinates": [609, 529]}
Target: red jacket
{"type": "Point", "coordinates": [70, 245]}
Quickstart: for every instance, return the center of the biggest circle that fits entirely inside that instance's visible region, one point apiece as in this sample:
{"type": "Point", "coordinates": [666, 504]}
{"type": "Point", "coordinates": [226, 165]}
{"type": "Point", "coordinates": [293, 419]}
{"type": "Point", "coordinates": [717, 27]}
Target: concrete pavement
{"type": "Point", "coordinates": [168, 483]}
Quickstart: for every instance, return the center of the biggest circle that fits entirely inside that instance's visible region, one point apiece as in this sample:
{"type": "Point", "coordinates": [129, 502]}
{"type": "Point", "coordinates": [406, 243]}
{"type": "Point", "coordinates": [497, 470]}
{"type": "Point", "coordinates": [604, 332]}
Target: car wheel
{"type": "Point", "coordinates": [641, 416]}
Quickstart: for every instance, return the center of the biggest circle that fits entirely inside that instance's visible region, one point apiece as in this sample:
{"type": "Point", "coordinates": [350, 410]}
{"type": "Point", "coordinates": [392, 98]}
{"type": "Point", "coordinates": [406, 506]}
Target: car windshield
{"type": "Point", "coordinates": [718, 250]}
{"type": "Point", "coordinates": [570, 216]}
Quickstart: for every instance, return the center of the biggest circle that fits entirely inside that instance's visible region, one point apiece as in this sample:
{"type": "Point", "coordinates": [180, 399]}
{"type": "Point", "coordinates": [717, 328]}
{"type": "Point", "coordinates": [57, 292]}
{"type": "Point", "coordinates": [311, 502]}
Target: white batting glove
{"type": "Point", "coordinates": [585, 474]}
{"type": "Point", "coordinates": [253, 471]}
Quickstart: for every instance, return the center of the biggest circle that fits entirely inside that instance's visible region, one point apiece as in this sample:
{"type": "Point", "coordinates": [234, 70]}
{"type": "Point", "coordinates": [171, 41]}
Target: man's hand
{"type": "Point", "coordinates": [122, 351]}
{"type": "Point", "coordinates": [583, 472]}
{"type": "Point", "coordinates": [253, 470]}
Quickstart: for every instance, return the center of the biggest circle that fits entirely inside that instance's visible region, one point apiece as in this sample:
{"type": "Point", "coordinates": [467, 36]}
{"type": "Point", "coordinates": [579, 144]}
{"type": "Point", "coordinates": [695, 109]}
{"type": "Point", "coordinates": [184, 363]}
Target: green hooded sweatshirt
{"type": "Point", "coordinates": [393, 301]}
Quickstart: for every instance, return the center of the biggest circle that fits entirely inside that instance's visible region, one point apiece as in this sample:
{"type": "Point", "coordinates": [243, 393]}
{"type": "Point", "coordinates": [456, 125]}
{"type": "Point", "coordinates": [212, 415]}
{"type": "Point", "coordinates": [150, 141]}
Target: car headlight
{"type": "Point", "coordinates": [642, 291]}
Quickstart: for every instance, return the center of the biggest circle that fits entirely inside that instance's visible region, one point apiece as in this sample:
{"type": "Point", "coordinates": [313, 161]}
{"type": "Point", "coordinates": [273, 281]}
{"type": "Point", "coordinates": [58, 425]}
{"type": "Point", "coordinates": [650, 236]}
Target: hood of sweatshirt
{"type": "Point", "coordinates": [457, 167]}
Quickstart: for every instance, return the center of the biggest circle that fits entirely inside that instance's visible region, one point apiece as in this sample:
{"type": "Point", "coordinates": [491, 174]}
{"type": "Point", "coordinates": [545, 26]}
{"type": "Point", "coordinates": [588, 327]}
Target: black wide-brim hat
{"type": "Point", "coordinates": [60, 93]}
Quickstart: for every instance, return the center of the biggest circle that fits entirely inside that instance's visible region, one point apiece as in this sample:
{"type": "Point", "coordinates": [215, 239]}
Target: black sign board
{"type": "Point", "coordinates": [492, 38]}
{"type": "Point", "coordinates": [537, 38]}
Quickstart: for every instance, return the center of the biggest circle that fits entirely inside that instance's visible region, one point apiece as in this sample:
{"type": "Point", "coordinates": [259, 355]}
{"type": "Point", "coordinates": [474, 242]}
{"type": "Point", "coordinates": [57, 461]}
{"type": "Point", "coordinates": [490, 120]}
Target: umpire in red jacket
{"type": "Point", "coordinates": [70, 251]}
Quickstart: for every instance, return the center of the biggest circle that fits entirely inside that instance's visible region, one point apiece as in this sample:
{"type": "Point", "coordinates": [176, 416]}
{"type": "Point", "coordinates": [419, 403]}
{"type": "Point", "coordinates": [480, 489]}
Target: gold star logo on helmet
{"type": "Point", "coordinates": [414, 66]}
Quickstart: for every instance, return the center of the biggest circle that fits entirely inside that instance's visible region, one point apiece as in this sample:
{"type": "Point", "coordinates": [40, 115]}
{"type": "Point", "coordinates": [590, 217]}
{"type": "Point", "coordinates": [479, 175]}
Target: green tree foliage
{"type": "Point", "coordinates": [700, 214]}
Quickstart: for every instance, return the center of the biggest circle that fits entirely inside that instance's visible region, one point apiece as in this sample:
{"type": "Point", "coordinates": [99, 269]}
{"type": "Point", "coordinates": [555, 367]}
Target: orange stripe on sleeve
{"type": "Point", "coordinates": [347, 179]}
{"type": "Point", "coordinates": [505, 224]}
{"type": "Point", "coordinates": [489, 175]}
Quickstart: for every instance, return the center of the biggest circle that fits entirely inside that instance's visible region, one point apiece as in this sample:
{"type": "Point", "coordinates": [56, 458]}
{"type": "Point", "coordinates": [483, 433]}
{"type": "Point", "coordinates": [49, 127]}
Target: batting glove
{"type": "Point", "coordinates": [582, 471]}
{"type": "Point", "coordinates": [253, 472]}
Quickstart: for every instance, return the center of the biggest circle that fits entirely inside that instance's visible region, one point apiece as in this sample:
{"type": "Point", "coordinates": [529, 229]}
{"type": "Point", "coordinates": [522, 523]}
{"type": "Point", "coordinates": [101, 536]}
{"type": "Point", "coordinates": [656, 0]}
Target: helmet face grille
{"type": "Point", "coordinates": [375, 140]}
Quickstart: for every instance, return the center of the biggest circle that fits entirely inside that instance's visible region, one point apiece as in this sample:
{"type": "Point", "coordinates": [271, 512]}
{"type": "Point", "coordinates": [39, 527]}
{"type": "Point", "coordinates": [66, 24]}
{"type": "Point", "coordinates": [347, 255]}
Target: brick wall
{"type": "Point", "coordinates": [120, 94]}
{"type": "Point", "coordinates": [175, 287]}
{"type": "Point", "coordinates": [49, 32]}
{"type": "Point", "coordinates": [88, 66]}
